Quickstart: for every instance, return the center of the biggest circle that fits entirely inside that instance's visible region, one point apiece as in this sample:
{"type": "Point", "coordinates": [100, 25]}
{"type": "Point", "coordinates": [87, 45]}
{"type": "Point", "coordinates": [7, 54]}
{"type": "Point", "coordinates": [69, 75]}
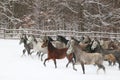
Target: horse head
{"type": "Point", "coordinates": [95, 43]}
{"type": "Point", "coordinates": [86, 39]}
{"type": "Point", "coordinates": [23, 38]}
{"type": "Point", "coordinates": [31, 39]}
{"type": "Point", "coordinates": [71, 45]}
{"type": "Point", "coordinates": [45, 43]}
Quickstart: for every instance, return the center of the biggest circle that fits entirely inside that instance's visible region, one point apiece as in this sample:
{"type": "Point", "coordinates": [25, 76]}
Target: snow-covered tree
{"type": "Point", "coordinates": [79, 15]}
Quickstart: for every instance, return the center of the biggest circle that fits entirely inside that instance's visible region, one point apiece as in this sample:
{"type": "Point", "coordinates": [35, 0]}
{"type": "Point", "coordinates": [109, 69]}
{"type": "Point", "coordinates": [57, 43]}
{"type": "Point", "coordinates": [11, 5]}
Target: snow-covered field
{"type": "Point", "coordinates": [15, 67]}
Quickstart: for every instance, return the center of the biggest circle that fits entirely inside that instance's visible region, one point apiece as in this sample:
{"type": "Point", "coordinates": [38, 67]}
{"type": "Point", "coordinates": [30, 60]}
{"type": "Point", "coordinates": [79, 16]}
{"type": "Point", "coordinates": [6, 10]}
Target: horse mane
{"type": "Point", "coordinates": [50, 46]}
{"type": "Point", "coordinates": [34, 38]}
{"type": "Point", "coordinates": [50, 39]}
{"type": "Point", "coordinates": [25, 38]}
{"type": "Point", "coordinates": [62, 39]}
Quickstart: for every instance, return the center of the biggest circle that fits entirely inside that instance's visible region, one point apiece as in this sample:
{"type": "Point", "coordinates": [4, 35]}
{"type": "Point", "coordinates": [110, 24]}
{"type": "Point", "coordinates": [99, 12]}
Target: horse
{"type": "Point", "coordinates": [111, 58]}
{"type": "Point", "coordinates": [85, 43]}
{"type": "Point", "coordinates": [105, 43]}
{"type": "Point", "coordinates": [27, 46]}
{"type": "Point", "coordinates": [86, 47]}
{"type": "Point", "coordinates": [55, 53]}
{"type": "Point", "coordinates": [98, 48]}
{"type": "Point", "coordinates": [84, 58]}
{"type": "Point", "coordinates": [113, 45]}
{"type": "Point", "coordinates": [86, 39]}
{"type": "Point", "coordinates": [37, 46]}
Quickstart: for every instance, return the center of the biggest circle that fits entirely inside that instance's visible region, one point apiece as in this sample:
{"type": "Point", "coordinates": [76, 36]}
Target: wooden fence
{"type": "Point", "coordinates": [15, 33]}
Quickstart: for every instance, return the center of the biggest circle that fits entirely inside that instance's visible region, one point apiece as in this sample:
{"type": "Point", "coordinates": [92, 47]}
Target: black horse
{"type": "Point", "coordinates": [27, 46]}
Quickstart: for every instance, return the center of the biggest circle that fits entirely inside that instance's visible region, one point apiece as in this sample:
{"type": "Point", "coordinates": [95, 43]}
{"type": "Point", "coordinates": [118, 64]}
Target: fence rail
{"type": "Point", "coordinates": [15, 33]}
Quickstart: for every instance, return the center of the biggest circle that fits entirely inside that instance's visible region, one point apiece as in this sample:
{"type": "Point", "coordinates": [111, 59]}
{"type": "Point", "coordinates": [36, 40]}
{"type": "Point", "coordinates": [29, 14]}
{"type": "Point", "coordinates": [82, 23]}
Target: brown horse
{"type": "Point", "coordinates": [111, 58]}
{"type": "Point", "coordinates": [55, 53]}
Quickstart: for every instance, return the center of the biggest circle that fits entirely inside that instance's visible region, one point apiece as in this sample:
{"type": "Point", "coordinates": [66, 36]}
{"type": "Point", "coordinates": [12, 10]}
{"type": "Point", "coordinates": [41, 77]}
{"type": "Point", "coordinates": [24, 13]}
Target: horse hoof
{"type": "Point", "coordinates": [66, 66]}
{"type": "Point", "coordinates": [45, 65]}
{"type": "Point", "coordinates": [41, 59]}
{"type": "Point", "coordinates": [74, 69]}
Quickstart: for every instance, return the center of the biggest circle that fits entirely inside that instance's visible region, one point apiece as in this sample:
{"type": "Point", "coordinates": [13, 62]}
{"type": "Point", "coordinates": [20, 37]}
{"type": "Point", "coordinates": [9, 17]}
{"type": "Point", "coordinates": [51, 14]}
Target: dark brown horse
{"type": "Point", "coordinates": [55, 53]}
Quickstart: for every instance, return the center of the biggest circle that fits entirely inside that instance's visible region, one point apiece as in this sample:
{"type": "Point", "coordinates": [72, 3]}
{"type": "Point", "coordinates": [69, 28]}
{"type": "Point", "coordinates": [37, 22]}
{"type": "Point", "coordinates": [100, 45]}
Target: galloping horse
{"type": "Point", "coordinates": [28, 46]}
{"type": "Point", "coordinates": [98, 48]}
{"type": "Point", "coordinates": [55, 53]}
{"type": "Point", "coordinates": [37, 46]}
{"type": "Point", "coordinates": [84, 57]}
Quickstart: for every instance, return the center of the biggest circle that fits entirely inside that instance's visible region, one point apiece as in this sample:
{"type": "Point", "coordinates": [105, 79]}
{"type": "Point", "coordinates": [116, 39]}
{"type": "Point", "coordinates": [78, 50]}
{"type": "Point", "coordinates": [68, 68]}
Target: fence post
{"type": "Point", "coordinates": [4, 33]}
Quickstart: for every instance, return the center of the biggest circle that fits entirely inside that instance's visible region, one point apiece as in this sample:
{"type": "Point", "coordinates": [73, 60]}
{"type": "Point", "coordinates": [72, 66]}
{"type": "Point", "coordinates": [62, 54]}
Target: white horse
{"type": "Point", "coordinates": [37, 46]}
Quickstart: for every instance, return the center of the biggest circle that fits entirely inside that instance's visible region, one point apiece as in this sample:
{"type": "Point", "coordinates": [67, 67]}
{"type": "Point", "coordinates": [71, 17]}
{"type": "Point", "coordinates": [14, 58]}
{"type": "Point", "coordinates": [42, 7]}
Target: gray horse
{"type": "Point", "coordinates": [28, 47]}
{"type": "Point", "coordinates": [84, 57]}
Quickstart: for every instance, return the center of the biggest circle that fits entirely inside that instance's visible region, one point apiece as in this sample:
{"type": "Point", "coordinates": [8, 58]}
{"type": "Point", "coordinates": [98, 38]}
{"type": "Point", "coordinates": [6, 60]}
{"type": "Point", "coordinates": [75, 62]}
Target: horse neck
{"type": "Point", "coordinates": [25, 41]}
{"type": "Point", "coordinates": [50, 39]}
{"type": "Point", "coordinates": [78, 51]}
{"type": "Point", "coordinates": [34, 43]}
{"type": "Point", "coordinates": [64, 40]}
{"type": "Point", "coordinates": [50, 46]}
{"type": "Point", "coordinates": [99, 49]}
{"type": "Point", "coordinates": [76, 48]}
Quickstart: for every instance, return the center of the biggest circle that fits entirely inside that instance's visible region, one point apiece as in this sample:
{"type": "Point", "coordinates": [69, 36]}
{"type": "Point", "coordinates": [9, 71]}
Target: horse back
{"type": "Point", "coordinates": [58, 53]}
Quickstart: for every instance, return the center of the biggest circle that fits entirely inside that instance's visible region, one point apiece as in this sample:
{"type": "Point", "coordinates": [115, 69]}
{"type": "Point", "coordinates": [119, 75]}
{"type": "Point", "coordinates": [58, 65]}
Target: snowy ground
{"type": "Point", "coordinates": [15, 67]}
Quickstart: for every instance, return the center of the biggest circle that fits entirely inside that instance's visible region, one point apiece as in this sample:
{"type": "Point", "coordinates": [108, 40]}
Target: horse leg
{"type": "Point", "coordinates": [83, 68]}
{"type": "Point", "coordinates": [28, 51]}
{"type": "Point", "coordinates": [69, 59]}
{"type": "Point", "coordinates": [119, 65]}
{"type": "Point", "coordinates": [118, 60]}
{"type": "Point", "coordinates": [38, 53]}
{"type": "Point", "coordinates": [67, 64]}
{"type": "Point", "coordinates": [45, 61]}
{"type": "Point", "coordinates": [42, 56]}
{"type": "Point", "coordinates": [110, 63]}
{"type": "Point", "coordinates": [74, 57]}
{"type": "Point", "coordinates": [55, 63]}
{"type": "Point", "coordinates": [100, 66]}
{"type": "Point", "coordinates": [24, 50]}
{"type": "Point", "coordinates": [114, 63]}
{"type": "Point", "coordinates": [73, 63]}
